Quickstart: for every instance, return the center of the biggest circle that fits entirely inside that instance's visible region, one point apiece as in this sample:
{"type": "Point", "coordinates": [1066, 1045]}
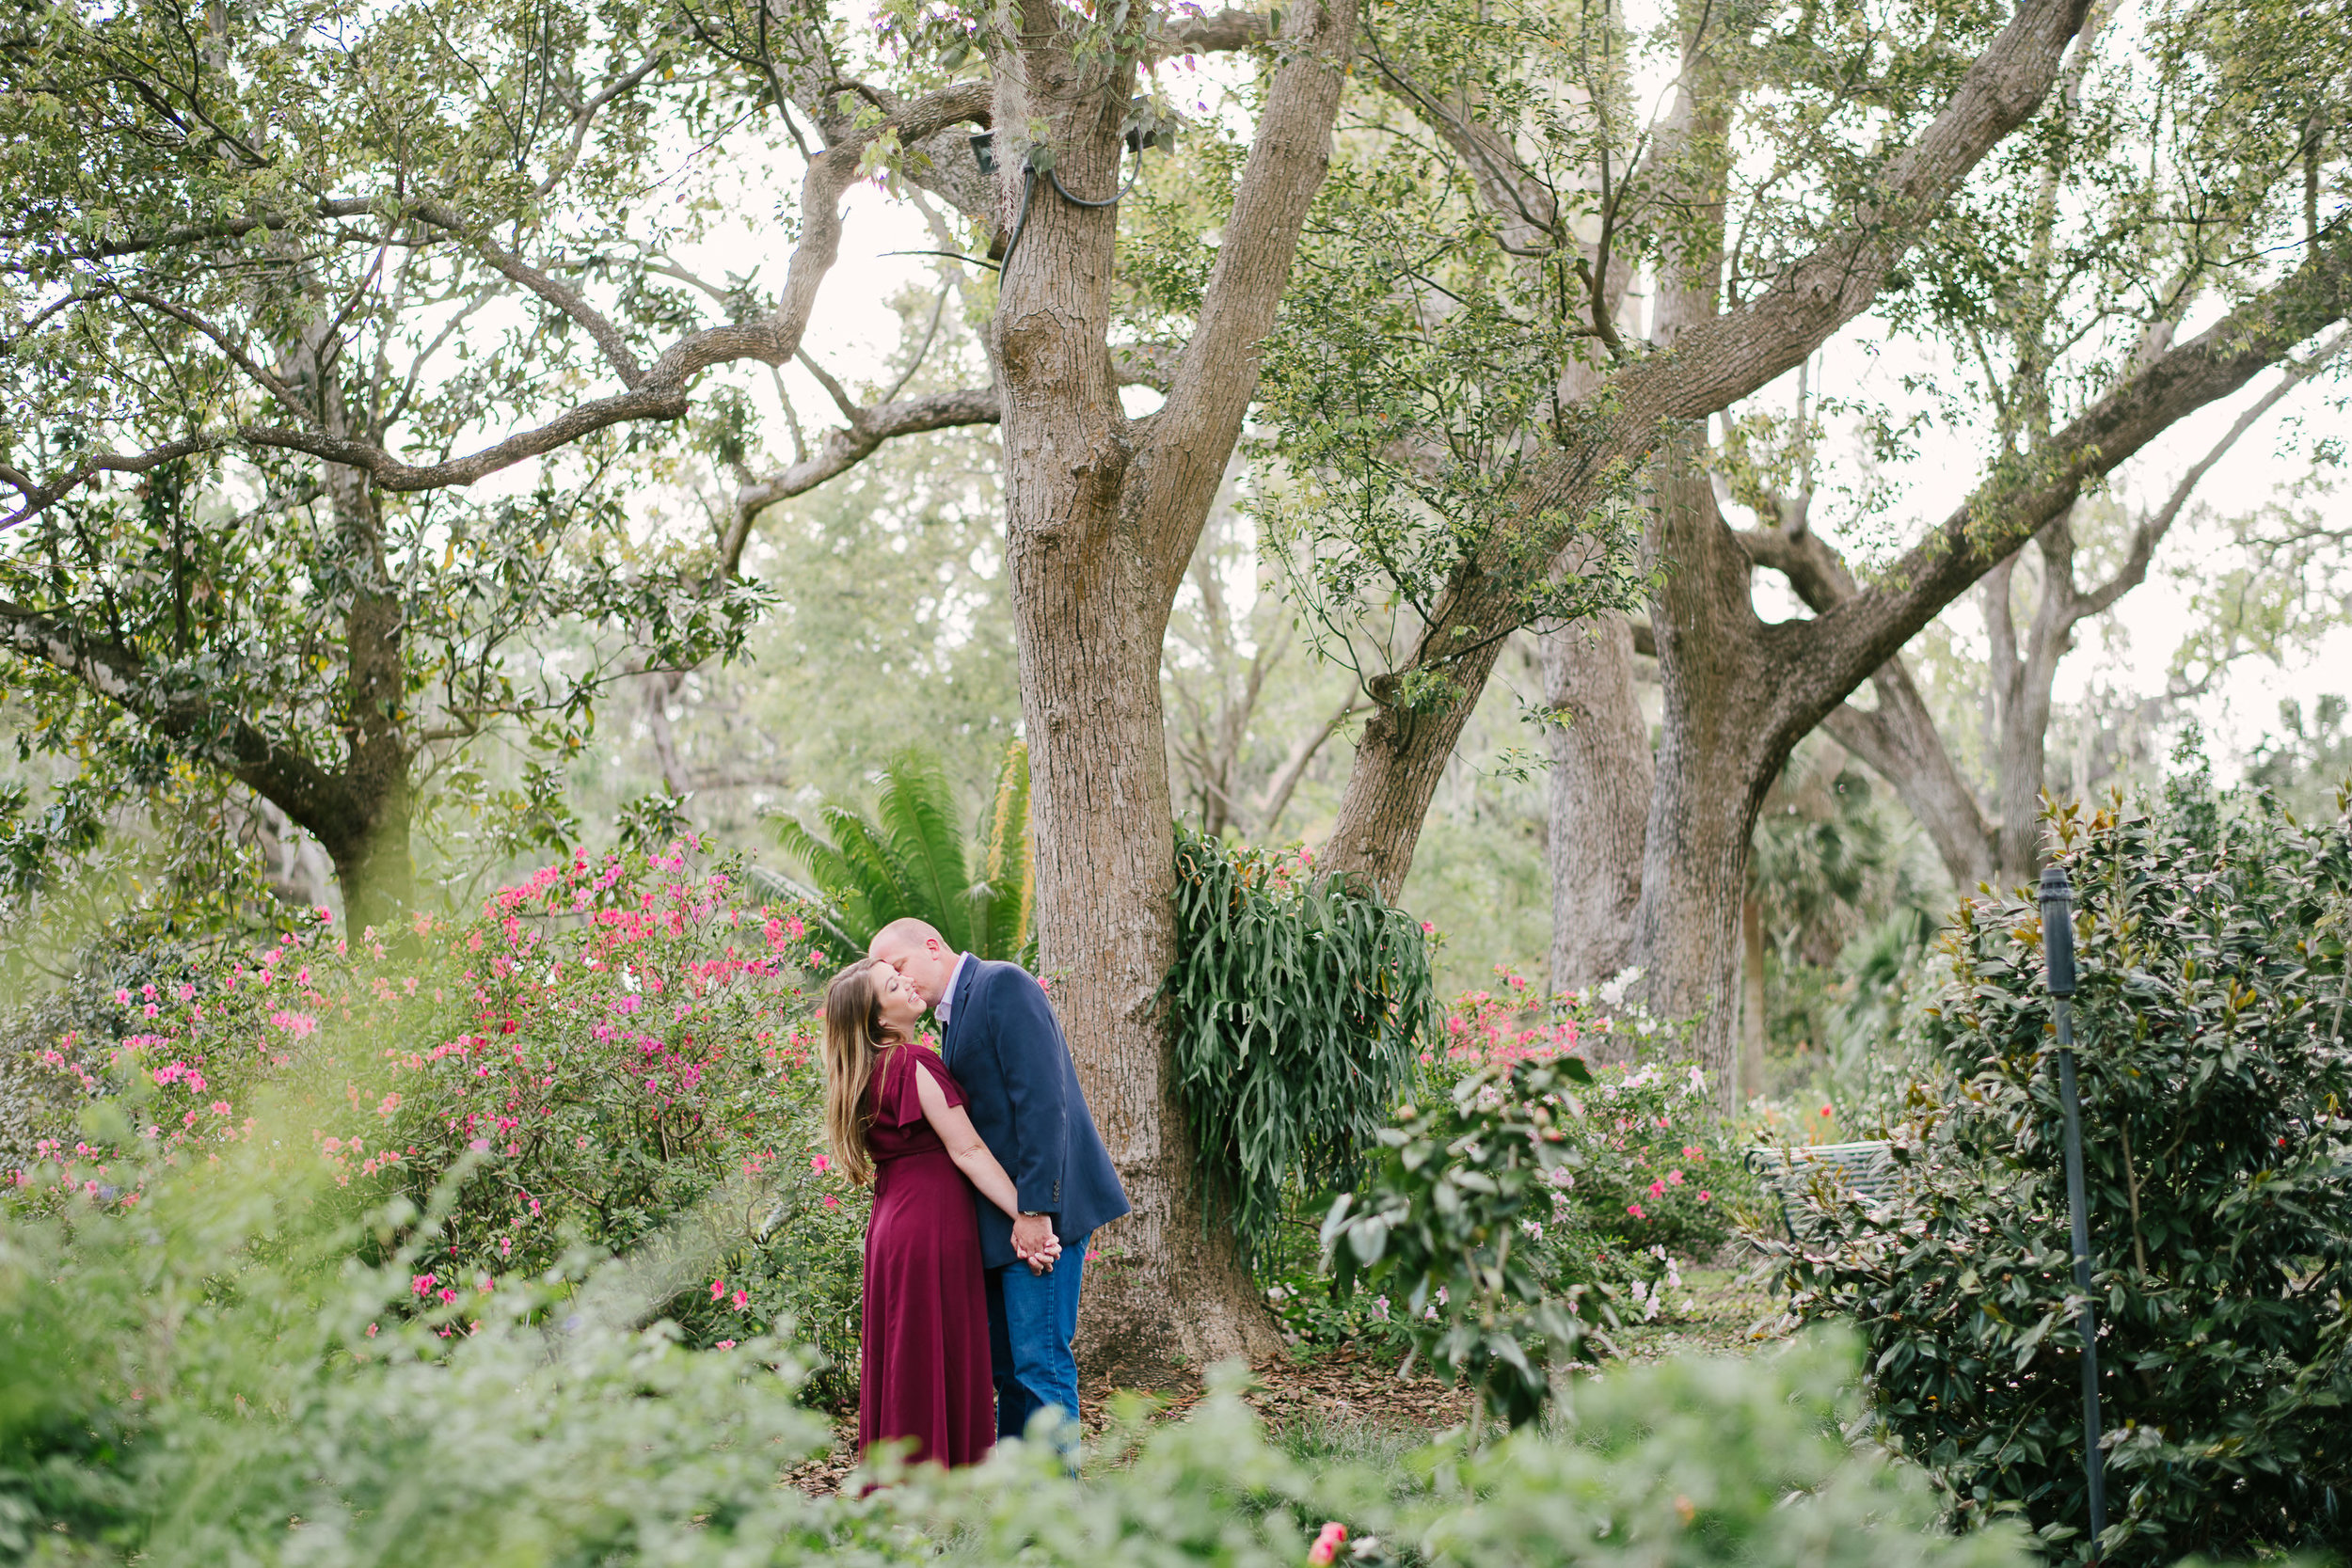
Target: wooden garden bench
{"type": "Point", "coordinates": [1864, 1170]}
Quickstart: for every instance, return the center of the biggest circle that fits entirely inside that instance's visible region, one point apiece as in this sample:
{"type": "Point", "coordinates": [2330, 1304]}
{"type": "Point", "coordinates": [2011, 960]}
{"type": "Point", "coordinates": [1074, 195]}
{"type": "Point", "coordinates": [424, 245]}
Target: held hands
{"type": "Point", "coordinates": [1035, 1243]}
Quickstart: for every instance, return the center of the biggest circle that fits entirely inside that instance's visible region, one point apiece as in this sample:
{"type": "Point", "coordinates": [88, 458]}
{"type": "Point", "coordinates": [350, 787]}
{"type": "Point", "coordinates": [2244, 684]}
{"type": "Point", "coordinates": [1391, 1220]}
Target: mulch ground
{"type": "Point", "coordinates": [1724, 1309]}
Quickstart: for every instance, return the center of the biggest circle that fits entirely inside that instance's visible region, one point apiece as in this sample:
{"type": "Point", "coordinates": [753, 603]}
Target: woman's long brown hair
{"type": "Point", "coordinates": [854, 1043]}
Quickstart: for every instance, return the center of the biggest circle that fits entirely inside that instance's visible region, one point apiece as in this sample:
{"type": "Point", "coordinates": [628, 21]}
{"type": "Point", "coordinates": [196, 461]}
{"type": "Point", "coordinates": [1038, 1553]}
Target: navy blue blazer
{"type": "Point", "coordinates": [1006, 1048]}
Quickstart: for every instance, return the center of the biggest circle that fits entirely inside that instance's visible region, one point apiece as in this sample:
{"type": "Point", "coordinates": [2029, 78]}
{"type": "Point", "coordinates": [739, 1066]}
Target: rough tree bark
{"type": "Point", "coordinates": [1750, 1081]}
{"type": "Point", "coordinates": [1102, 512]}
{"type": "Point", "coordinates": [1601, 773]}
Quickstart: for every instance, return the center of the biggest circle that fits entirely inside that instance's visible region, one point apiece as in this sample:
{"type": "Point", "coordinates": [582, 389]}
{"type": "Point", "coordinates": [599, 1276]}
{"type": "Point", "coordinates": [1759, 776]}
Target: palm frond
{"type": "Point", "coordinates": [891, 893]}
{"type": "Point", "coordinates": [909, 858]}
{"type": "Point", "coordinates": [918, 821]}
{"type": "Point", "coordinates": [1006, 897]}
{"type": "Point", "coordinates": [842, 887]}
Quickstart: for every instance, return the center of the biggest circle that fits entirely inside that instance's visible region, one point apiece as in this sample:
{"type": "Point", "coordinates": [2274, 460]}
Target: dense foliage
{"type": "Point", "coordinates": [1298, 1005]}
{"type": "Point", "coordinates": [204, 1379]}
{"type": "Point", "coordinates": [1444, 1228]}
{"type": "Point", "coordinates": [613, 1057]}
{"type": "Point", "coordinates": [2215, 1081]}
{"type": "Point", "coordinates": [1648, 1174]}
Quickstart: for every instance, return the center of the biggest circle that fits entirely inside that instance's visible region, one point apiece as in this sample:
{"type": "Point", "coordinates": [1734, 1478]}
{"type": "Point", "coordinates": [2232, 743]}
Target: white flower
{"type": "Point", "coordinates": [1532, 1230]}
{"type": "Point", "coordinates": [1613, 990]}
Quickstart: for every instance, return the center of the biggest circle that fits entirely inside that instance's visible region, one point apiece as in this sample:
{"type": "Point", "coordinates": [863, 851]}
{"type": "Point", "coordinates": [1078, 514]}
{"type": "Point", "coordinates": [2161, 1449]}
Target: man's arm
{"type": "Point", "coordinates": [1034, 1061]}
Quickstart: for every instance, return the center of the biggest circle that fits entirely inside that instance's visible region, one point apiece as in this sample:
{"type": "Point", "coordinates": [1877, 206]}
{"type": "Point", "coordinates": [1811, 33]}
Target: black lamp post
{"type": "Point", "coordinates": [2057, 948]}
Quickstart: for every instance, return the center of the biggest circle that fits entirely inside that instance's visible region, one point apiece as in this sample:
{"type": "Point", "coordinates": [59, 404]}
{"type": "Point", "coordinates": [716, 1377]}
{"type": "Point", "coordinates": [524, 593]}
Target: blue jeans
{"type": "Point", "coordinates": [1031, 1319]}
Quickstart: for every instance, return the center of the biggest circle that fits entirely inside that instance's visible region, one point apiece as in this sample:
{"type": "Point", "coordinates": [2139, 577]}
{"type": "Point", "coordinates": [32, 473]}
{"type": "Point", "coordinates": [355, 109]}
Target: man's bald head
{"type": "Point", "coordinates": [915, 949]}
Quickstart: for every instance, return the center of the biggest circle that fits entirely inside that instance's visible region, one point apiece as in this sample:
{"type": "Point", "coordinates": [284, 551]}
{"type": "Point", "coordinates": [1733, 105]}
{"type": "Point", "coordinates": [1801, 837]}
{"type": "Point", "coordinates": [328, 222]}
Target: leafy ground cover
{"type": "Point", "coordinates": [1348, 1404]}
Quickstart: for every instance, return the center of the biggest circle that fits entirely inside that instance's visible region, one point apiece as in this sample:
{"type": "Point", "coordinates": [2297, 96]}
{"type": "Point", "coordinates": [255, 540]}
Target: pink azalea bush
{"type": "Point", "coordinates": [1659, 1160]}
{"type": "Point", "coordinates": [594, 1052]}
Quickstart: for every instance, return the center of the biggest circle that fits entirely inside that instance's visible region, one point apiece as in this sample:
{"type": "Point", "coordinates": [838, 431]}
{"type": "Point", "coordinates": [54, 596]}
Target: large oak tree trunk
{"type": "Point", "coordinates": [1101, 514]}
{"type": "Point", "coordinates": [1602, 775]}
{"type": "Point", "coordinates": [1751, 1076]}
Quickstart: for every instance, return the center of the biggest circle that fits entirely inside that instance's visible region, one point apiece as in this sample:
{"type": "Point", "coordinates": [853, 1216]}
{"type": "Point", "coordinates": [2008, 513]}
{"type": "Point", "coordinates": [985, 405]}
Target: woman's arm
{"type": "Point", "coordinates": [965, 1148]}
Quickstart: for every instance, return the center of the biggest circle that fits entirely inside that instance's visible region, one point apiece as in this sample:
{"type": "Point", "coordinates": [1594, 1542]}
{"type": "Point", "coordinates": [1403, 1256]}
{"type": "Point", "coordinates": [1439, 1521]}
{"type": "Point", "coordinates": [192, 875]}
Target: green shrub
{"type": "Point", "coordinates": [2215, 1081]}
{"type": "Point", "coordinates": [1659, 1175]}
{"type": "Point", "coordinates": [608, 1046]}
{"type": "Point", "coordinates": [1448, 1226]}
{"type": "Point", "coordinates": [1649, 1177]}
{"type": "Point", "coordinates": [207, 1378]}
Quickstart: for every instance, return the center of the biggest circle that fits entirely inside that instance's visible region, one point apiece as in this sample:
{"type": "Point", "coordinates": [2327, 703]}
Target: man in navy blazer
{"type": "Point", "coordinates": [1005, 1046]}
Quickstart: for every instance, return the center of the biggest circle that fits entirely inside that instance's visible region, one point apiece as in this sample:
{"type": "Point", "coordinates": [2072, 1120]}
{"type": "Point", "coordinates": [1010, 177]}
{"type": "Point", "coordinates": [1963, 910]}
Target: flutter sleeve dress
{"type": "Point", "coordinates": [923, 1360]}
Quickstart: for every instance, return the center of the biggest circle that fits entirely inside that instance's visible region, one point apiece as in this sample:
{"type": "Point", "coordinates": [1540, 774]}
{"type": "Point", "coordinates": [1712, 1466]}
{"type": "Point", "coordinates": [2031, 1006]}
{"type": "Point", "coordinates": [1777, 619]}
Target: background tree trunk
{"type": "Point", "coordinates": [1399, 760]}
{"type": "Point", "coordinates": [1751, 1079]}
{"type": "Point", "coordinates": [1712, 776]}
{"type": "Point", "coordinates": [1602, 775]}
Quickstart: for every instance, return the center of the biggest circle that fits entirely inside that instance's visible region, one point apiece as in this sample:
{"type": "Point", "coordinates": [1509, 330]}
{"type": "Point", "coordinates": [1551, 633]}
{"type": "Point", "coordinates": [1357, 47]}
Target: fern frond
{"type": "Point", "coordinates": [918, 819]}
{"type": "Point", "coordinates": [841, 886]}
{"type": "Point", "coordinates": [1011, 871]}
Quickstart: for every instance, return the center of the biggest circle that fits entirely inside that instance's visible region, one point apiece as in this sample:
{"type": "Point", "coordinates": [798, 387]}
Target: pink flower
{"type": "Point", "coordinates": [1635, 1210]}
{"type": "Point", "coordinates": [1704, 1194]}
{"type": "Point", "coordinates": [726, 1345]}
{"type": "Point", "coordinates": [819, 1163]}
{"type": "Point", "coordinates": [1824, 1110]}
{"type": "Point", "coordinates": [718, 1289]}
{"type": "Point", "coordinates": [1673, 1178]}
{"type": "Point", "coordinates": [741, 1300]}
{"type": "Point", "coordinates": [832, 1202]}
{"type": "Point", "coordinates": [423, 1285]}
{"type": "Point", "coordinates": [1429, 927]}
{"type": "Point", "coordinates": [123, 997]}
{"type": "Point", "coordinates": [1328, 1543]}
{"type": "Point", "coordinates": [448, 1294]}
{"type": "Point", "coordinates": [1658, 1189]}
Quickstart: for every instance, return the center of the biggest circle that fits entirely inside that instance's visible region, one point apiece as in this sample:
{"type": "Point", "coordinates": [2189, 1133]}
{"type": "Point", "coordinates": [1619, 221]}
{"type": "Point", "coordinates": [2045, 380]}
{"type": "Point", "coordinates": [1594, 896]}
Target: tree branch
{"type": "Point", "coordinates": [1185, 453]}
{"type": "Point", "coordinates": [302, 789]}
{"type": "Point", "coordinates": [660, 391]}
{"type": "Point", "coordinates": [553, 289]}
{"type": "Point", "coordinates": [2151, 531]}
{"type": "Point", "coordinates": [841, 449]}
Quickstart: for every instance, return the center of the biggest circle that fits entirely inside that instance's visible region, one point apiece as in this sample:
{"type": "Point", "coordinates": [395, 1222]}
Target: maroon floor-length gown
{"type": "Point", "coordinates": [923, 1368]}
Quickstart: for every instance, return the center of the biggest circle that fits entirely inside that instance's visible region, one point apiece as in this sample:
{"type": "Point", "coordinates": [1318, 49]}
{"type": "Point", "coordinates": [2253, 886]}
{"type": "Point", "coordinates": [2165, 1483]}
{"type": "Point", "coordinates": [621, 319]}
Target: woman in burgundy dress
{"type": "Point", "coordinates": [894, 1116]}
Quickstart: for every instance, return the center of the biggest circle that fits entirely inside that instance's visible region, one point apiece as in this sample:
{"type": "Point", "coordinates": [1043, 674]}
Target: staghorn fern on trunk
{"type": "Point", "coordinates": [1298, 1003]}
